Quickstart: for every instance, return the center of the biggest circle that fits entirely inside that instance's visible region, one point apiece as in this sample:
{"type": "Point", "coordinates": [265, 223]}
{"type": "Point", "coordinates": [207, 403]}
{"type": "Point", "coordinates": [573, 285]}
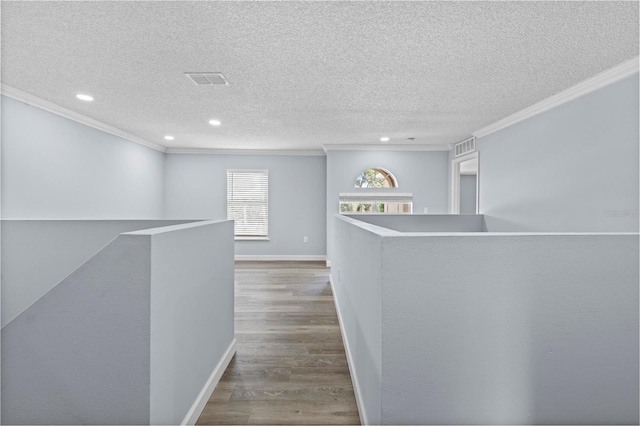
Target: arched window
{"type": "Point", "coordinates": [376, 177]}
{"type": "Point", "coordinates": [376, 202]}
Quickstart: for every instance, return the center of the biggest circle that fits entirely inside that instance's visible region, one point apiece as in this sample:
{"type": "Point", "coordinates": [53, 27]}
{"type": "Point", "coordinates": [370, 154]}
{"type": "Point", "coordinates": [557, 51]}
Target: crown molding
{"type": "Point", "coordinates": [610, 76]}
{"type": "Point", "coordinates": [27, 98]}
{"type": "Point", "coordinates": [373, 147]}
{"type": "Point", "coordinates": [213, 151]}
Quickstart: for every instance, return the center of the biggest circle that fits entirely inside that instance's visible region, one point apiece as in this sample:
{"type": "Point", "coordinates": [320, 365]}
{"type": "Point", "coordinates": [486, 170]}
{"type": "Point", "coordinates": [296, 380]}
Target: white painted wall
{"type": "Point", "coordinates": [356, 275]}
{"type": "Point", "coordinates": [356, 283]}
{"type": "Point", "coordinates": [422, 173]}
{"type": "Point", "coordinates": [573, 168]}
{"type": "Point", "coordinates": [53, 167]}
{"type": "Point", "coordinates": [38, 254]}
{"type": "Point", "coordinates": [528, 329]}
{"type": "Point", "coordinates": [196, 187]}
{"type": "Point", "coordinates": [131, 337]}
{"type": "Point", "coordinates": [80, 354]}
{"type": "Point", "coordinates": [192, 302]}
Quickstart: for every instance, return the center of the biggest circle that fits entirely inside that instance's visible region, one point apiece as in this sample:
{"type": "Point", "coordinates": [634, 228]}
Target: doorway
{"type": "Point", "coordinates": [465, 185]}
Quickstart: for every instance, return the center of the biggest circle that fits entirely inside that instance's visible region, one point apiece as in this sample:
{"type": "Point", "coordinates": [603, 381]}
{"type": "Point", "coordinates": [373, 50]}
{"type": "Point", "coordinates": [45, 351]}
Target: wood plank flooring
{"type": "Point", "coordinates": [290, 366]}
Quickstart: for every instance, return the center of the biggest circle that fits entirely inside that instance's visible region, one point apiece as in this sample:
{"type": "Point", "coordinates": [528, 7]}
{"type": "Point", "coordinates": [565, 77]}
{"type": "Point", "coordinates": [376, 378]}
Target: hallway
{"type": "Point", "coordinates": [290, 366]}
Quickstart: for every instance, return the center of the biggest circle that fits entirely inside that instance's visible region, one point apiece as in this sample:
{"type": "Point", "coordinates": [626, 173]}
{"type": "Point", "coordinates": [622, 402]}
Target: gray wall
{"type": "Point", "coordinates": [191, 313]}
{"type": "Point", "coordinates": [357, 280]}
{"type": "Point", "coordinates": [80, 354]}
{"type": "Point", "coordinates": [572, 168]}
{"type": "Point", "coordinates": [196, 186]}
{"type": "Point", "coordinates": [53, 167]}
{"type": "Point", "coordinates": [510, 329]}
{"type": "Point", "coordinates": [131, 337]}
{"type": "Point", "coordinates": [422, 173]}
{"type": "Point", "coordinates": [38, 254]}
{"type": "Point", "coordinates": [468, 194]}
{"type": "Point", "coordinates": [488, 328]}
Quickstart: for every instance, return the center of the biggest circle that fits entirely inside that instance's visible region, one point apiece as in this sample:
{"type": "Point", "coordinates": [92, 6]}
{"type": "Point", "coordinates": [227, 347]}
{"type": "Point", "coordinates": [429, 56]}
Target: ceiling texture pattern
{"type": "Point", "coordinates": [307, 74]}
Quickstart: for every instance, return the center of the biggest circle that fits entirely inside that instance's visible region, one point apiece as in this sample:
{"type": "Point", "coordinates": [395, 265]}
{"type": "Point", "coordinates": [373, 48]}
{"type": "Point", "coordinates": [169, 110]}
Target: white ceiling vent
{"type": "Point", "coordinates": [207, 78]}
{"type": "Point", "coordinates": [465, 147]}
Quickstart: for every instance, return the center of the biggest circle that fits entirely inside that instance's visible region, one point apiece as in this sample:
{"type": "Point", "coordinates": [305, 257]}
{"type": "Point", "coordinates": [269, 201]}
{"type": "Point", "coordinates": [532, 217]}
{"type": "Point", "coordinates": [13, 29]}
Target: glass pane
{"type": "Point", "coordinates": [363, 207]}
{"type": "Point", "coordinates": [346, 207]}
{"type": "Point", "coordinates": [375, 178]}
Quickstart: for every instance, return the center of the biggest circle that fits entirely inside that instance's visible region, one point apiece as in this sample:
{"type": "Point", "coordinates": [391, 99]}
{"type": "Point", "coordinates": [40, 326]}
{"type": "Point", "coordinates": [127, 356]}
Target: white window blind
{"type": "Point", "coordinates": [248, 201]}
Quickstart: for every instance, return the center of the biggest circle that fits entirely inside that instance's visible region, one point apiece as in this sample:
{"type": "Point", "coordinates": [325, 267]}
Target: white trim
{"type": "Point", "coordinates": [352, 371]}
{"type": "Point", "coordinates": [198, 405]}
{"type": "Point", "coordinates": [207, 151]}
{"type": "Point", "coordinates": [37, 102]}
{"type": "Point", "coordinates": [278, 257]}
{"type": "Point", "coordinates": [376, 195]}
{"type": "Point", "coordinates": [328, 263]}
{"type": "Point", "coordinates": [248, 171]}
{"type": "Point", "coordinates": [454, 182]}
{"type": "Point", "coordinates": [398, 147]}
{"type": "Point", "coordinates": [615, 74]}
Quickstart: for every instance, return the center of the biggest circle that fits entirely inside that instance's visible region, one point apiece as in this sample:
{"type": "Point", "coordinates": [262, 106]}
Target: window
{"type": "Point", "coordinates": [248, 202]}
{"type": "Point", "coordinates": [376, 203]}
{"type": "Point", "coordinates": [376, 178]}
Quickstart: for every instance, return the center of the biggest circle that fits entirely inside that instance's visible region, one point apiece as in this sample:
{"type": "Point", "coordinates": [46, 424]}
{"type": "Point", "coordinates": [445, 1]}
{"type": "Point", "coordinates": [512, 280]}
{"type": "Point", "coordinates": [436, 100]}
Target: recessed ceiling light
{"type": "Point", "coordinates": [84, 97]}
{"type": "Point", "coordinates": [384, 139]}
{"type": "Point", "coordinates": [214, 122]}
{"type": "Point", "coordinates": [169, 137]}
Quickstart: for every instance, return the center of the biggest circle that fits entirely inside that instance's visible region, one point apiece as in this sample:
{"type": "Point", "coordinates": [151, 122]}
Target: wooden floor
{"type": "Point", "coordinates": [290, 366]}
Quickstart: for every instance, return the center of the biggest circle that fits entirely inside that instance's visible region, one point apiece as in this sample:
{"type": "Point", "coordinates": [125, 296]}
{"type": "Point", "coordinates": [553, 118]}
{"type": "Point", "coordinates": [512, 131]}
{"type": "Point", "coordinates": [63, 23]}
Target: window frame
{"type": "Point", "coordinates": [375, 198]}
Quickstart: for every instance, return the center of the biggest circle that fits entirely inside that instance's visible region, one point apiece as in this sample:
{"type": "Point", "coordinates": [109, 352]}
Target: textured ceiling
{"type": "Point", "coordinates": [304, 74]}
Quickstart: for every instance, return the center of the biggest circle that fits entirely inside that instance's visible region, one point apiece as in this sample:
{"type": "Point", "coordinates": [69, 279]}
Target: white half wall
{"type": "Point", "coordinates": [80, 353]}
{"type": "Point", "coordinates": [192, 313]}
{"type": "Point", "coordinates": [53, 167]}
{"type": "Point", "coordinates": [38, 254]}
{"type": "Point", "coordinates": [510, 329]}
{"type": "Point", "coordinates": [357, 279]}
{"type": "Point", "coordinates": [139, 334]}
{"type": "Point", "coordinates": [490, 328]}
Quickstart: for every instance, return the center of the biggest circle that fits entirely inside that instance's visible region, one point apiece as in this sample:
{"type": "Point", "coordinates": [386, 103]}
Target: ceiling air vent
{"type": "Point", "coordinates": [465, 147]}
{"type": "Point", "coordinates": [207, 78]}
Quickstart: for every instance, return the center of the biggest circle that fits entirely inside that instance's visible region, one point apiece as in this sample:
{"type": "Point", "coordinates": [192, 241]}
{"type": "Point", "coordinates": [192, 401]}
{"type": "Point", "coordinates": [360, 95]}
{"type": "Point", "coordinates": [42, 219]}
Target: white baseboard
{"type": "Point", "coordinates": [328, 264]}
{"type": "Point", "coordinates": [352, 371]}
{"type": "Point", "coordinates": [278, 257]}
{"type": "Point", "coordinates": [196, 409]}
